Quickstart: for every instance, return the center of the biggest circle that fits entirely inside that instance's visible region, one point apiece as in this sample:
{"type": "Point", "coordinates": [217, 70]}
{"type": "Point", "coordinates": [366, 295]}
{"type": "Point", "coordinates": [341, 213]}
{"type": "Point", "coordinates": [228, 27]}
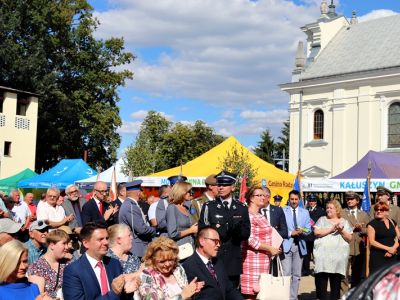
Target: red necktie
{"type": "Point", "coordinates": [103, 278]}
{"type": "Point", "coordinates": [101, 207]}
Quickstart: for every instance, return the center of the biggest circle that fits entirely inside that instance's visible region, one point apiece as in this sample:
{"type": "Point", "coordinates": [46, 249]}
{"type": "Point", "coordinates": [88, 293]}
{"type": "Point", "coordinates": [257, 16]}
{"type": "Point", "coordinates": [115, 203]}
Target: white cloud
{"type": "Point", "coordinates": [223, 52]}
{"type": "Point", "coordinates": [129, 127]}
{"type": "Point", "coordinates": [139, 115]}
{"type": "Point", "coordinates": [376, 14]}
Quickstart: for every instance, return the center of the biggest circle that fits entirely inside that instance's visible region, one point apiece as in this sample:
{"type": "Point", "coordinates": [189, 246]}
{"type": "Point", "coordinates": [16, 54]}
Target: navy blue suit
{"type": "Point", "coordinates": [80, 282]}
{"type": "Point", "coordinates": [213, 289]}
{"type": "Point", "coordinates": [91, 213]}
{"type": "Point", "coordinates": [278, 220]}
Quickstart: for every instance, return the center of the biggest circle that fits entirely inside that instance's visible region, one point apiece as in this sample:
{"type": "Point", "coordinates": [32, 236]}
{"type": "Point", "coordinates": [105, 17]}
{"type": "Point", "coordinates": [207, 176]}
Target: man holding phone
{"type": "Point", "coordinates": [294, 247]}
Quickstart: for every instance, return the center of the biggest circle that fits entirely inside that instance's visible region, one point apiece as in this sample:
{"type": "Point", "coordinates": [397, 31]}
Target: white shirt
{"type": "Point", "coordinates": [21, 212]}
{"type": "Point", "coordinates": [93, 263]}
{"type": "Point", "coordinates": [50, 213]}
{"type": "Point", "coordinates": [153, 207]}
{"type": "Point", "coordinates": [204, 259]}
{"type": "Point", "coordinates": [229, 200]}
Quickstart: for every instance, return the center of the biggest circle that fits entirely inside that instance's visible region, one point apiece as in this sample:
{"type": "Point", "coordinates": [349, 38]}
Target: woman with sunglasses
{"type": "Point", "coordinates": [258, 250]}
{"type": "Point", "coordinates": [180, 225]}
{"type": "Point", "coordinates": [383, 237]}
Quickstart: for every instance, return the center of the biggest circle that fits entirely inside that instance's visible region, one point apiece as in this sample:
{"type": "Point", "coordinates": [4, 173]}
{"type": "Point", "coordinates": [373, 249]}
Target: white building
{"type": "Point", "coordinates": [18, 127]}
{"type": "Point", "coordinates": [345, 93]}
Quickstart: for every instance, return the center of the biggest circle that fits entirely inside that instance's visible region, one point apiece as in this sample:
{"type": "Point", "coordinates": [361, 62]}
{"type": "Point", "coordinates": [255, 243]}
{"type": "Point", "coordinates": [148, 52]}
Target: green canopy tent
{"type": "Point", "coordinates": [10, 183]}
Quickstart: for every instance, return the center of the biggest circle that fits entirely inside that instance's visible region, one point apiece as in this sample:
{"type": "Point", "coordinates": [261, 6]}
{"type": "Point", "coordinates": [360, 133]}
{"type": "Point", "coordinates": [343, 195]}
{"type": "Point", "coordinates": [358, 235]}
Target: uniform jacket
{"type": "Point", "coordinates": [219, 289]}
{"type": "Point", "coordinates": [316, 213]}
{"type": "Point", "coordinates": [278, 220]}
{"type": "Point", "coordinates": [131, 215]}
{"type": "Point", "coordinates": [303, 221]}
{"type": "Point", "coordinates": [233, 226]}
{"type": "Point", "coordinates": [357, 241]}
{"type": "Point", "coordinates": [161, 212]}
{"type": "Point", "coordinates": [67, 205]}
{"type": "Point", "coordinates": [91, 213]}
{"type": "Point", "coordinates": [80, 282]}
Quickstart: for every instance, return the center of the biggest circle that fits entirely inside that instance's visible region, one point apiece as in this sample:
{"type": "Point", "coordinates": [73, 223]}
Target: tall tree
{"type": "Point", "coordinates": [48, 47]}
{"type": "Point", "coordinates": [237, 161]}
{"type": "Point", "coordinates": [282, 148]}
{"type": "Point", "coordinates": [144, 156]}
{"type": "Point", "coordinates": [266, 147]}
{"type": "Point", "coordinates": [161, 145]}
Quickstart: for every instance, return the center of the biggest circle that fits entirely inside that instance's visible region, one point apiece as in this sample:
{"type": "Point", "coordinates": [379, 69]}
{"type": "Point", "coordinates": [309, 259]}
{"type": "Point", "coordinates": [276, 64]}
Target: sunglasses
{"type": "Point", "coordinates": [191, 192]}
{"type": "Point", "coordinates": [380, 209]}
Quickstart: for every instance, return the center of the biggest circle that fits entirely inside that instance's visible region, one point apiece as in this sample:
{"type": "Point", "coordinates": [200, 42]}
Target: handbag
{"type": "Point", "coordinates": [274, 288]}
{"type": "Point", "coordinates": [185, 251]}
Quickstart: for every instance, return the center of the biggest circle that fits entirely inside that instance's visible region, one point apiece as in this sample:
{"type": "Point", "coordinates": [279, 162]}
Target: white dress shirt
{"type": "Point", "coordinates": [93, 263]}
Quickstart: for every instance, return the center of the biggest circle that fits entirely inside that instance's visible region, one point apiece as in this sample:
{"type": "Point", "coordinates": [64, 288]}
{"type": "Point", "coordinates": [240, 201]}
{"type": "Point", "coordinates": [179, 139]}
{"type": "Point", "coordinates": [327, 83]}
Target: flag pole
{"type": "Point", "coordinates": [367, 256]}
{"type": "Point", "coordinates": [299, 182]}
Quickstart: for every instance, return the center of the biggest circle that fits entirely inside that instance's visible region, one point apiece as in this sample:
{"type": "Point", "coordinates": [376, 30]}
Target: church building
{"type": "Point", "coordinates": [344, 93]}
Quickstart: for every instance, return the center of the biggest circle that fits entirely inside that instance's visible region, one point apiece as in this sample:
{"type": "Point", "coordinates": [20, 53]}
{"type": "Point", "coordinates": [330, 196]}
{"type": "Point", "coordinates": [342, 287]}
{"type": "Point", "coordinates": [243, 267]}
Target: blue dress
{"type": "Point", "coordinates": [18, 291]}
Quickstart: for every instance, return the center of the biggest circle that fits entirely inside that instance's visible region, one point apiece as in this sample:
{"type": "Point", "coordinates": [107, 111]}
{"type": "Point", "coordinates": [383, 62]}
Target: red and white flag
{"type": "Point", "coordinates": [113, 186]}
{"type": "Point", "coordinates": [243, 189]}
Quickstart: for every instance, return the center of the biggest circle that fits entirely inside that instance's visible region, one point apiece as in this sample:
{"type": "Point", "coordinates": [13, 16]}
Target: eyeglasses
{"type": "Point", "coordinates": [380, 209]}
{"type": "Point", "coordinates": [191, 192]}
{"type": "Point", "coordinates": [216, 241]}
{"type": "Point", "coordinates": [101, 191]}
{"type": "Point", "coordinates": [259, 195]}
{"type": "Point", "coordinates": [52, 196]}
{"type": "Point", "coordinates": [74, 191]}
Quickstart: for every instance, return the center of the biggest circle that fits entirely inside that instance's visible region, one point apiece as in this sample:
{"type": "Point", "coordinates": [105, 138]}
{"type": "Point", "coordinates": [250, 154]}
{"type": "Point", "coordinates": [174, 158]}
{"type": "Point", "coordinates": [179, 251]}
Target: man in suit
{"type": "Point", "coordinates": [206, 267]}
{"type": "Point", "coordinates": [209, 195]}
{"type": "Point", "coordinates": [274, 214]}
{"type": "Point", "coordinates": [299, 225]}
{"type": "Point", "coordinates": [315, 212]}
{"type": "Point", "coordinates": [95, 275]}
{"type": "Point", "coordinates": [121, 194]}
{"type": "Point", "coordinates": [132, 215]}
{"type": "Point", "coordinates": [98, 209]}
{"type": "Point", "coordinates": [358, 221]}
{"type": "Point", "coordinates": [73, 205]}
{"type": "Point", "coordinates": [230, 218]}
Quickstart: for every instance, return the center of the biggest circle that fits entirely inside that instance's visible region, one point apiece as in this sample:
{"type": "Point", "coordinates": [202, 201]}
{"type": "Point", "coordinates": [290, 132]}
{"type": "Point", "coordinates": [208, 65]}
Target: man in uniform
{"type": "Point", "coordinates": [209, 195]}
{"type": "Point", "coordinates": [277, 200]}
{"type": "Point", "coordinates": [230, 218]}
{"type": "Point", "coordinates": [358, 221]}
{"type": "Point", "coordinates": [132, 215]}
{"type": "Point", "coordinates": [315, 213]}
{"type": "Point", "coordinates": [385, 195]}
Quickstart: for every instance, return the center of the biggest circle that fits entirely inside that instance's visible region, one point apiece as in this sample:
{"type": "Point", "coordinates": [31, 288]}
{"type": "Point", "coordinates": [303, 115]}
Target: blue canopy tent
{"type": "Point", "coordinates": [66, 172]}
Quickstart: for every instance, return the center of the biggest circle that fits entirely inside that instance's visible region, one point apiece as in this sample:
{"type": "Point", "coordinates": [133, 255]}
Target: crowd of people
{"type": "Point", "coordinates": [177, 247]}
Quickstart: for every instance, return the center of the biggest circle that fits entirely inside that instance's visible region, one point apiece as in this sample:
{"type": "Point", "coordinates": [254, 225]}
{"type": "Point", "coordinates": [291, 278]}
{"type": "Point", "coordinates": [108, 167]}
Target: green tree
{"type": "Point", "coordinates": [266, 147]}
{"type": "Point", "coordinates": [162, 145]}
{"type": "Point", "coordinates": [282, 147]}
{"type": "Point", "coordinates": [48, 47]}
{"type": "Point", "coordinates": [144, 156]}
{"type": "Point", "coordinates": [237, 161]}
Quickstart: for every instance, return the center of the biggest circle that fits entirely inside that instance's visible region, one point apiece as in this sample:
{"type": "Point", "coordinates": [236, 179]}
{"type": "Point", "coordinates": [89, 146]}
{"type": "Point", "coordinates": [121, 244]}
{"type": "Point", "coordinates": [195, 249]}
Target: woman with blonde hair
{"type": "Point", "coordinates": [180, 225]}
{"type": "Point", "coordinates": [13, 267]}
{"type": "Point", "coordinates": [48, 270]}
{"type": "Point", "coordinates": [163, 277]}
{"type": "Point", "coordinates": [331, 250]}
{"type": "Point", "coordinates": [120, 242]}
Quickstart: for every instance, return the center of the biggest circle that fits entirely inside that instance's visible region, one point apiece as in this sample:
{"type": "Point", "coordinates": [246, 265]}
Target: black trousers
{"type": "Point", "coordinates": [321, 284]}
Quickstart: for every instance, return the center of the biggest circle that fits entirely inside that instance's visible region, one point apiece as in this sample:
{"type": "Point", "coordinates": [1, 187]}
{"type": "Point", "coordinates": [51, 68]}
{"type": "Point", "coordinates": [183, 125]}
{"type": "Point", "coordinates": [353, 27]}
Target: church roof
{"type": "Point", "coordinates": [359, 47]}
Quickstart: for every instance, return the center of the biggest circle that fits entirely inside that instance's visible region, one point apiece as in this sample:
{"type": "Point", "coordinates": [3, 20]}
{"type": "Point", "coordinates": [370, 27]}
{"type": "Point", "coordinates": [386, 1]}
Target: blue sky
{"type": "Point", "coordinates": [219, 61]}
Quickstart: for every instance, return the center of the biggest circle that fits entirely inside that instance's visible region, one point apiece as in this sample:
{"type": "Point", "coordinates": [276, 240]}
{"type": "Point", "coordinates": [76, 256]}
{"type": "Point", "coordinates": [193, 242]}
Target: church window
{"type": "Point", "coordinates": [319, 125]}
{"type": "Point", "coordinates": [394, 126]}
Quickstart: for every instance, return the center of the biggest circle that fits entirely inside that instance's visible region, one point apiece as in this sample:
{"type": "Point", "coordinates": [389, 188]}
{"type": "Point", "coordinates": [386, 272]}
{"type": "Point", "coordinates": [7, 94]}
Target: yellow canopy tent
{"type": "Point", "coordinates": [280, 182]}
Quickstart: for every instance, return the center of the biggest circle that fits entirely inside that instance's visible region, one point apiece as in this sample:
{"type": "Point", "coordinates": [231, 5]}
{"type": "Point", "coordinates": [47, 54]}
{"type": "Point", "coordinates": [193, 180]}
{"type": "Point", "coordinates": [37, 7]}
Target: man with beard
{"type": "Point", "coordinates": [231, 219]}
